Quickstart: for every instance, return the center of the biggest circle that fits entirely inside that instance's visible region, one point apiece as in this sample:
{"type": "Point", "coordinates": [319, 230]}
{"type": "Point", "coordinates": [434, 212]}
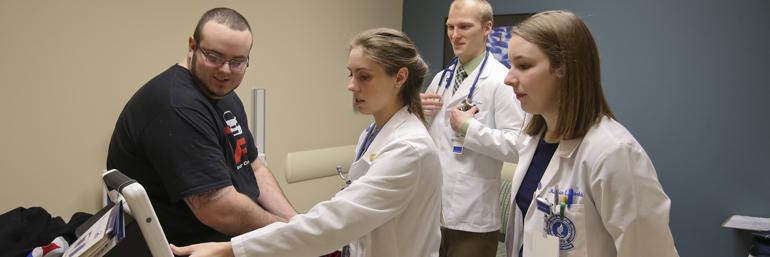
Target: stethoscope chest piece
{"type": "Point", "coordinates": [467, 104]}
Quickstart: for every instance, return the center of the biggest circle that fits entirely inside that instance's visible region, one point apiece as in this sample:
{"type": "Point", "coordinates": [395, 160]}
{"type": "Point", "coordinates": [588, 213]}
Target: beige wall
{"type": "Point", "coordinates": [68, 67]}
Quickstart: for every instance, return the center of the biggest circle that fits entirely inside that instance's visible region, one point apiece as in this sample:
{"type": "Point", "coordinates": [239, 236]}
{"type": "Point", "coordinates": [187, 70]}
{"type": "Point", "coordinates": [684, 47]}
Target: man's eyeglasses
{"type": "Point", "coordinates": [219, 61]}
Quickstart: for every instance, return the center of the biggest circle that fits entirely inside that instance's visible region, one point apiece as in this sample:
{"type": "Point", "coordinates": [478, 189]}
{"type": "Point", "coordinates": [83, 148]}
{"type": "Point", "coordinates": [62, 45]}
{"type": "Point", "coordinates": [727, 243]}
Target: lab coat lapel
{"type": "Point", "coordinates": [565, 150]}
{"type": "Point", "coordinates": [462, 93]}
{"type": "Point", "coordinates": [360, 166]}
{"type": "Point", "coordinates": [515, 216]}
{"type": "Point", "coordinates": [386, 132]}
{"type": "Point", "coordinates": [525, 159]}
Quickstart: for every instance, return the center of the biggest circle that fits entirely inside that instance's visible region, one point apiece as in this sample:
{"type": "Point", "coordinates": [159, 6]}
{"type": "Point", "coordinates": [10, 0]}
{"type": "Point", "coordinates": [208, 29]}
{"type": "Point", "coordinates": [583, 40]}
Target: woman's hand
{"type": "Point", "coordinates": [224, 249]}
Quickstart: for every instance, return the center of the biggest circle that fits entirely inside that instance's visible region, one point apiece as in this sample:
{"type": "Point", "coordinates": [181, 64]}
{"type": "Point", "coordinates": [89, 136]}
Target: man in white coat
{"type": "Point", "coordinates": [472, 143]}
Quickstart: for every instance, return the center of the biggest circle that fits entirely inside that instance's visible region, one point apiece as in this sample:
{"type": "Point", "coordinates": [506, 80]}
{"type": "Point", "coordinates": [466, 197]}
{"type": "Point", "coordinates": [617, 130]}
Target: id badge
{"type": "Point", "coordinates": [457, 145]}
{"type": "Point", "coordinates": [544, 205]}
{"type": "Point", "coordinates": [545, 246]}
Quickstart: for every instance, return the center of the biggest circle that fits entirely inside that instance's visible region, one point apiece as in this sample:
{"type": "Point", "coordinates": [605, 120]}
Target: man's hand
{"type": "Point", "coordinates": [224, 249]}
{"type": "Point", "coordinates": [458, 117]}
{"type": "Point", "coordinates": [431, 104]}
{"type": "Point", "coordinates": [228, 211]}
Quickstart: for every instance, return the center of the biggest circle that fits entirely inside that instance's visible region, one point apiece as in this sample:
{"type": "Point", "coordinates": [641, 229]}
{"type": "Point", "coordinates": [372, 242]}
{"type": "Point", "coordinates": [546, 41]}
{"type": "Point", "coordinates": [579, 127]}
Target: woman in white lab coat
{"type": "Point", "coordinates": [584, 186]}
{"type": "Point", "coordinates": [392, 207]}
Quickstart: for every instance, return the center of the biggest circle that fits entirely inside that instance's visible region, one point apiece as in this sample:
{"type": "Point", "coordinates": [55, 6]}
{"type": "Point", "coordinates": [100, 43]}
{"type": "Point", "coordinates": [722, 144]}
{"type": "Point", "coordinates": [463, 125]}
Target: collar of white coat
{"type": "Point", "coordinates": [468, 82]}
{"type": "Point", "coordinates": [385, 132]}
{"type": "Point", "coordinates": [566, 148]}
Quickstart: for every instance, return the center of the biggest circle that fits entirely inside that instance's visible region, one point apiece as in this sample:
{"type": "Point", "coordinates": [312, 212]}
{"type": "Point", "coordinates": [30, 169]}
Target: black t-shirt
{"type": "Point", "coordinates": [176, 142]}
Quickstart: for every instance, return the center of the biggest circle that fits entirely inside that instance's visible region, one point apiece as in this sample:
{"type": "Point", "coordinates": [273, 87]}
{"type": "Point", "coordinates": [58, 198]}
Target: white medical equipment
{"type": "Point", "coordinates": [136, 204]}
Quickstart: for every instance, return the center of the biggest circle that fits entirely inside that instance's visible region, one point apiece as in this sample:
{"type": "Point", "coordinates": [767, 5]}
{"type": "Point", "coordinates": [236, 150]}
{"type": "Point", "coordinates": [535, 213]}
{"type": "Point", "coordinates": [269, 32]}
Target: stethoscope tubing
{"type": "Point", "coordinates": [454, 62]}
{"type": "Point", "coordinates": [367, 140]}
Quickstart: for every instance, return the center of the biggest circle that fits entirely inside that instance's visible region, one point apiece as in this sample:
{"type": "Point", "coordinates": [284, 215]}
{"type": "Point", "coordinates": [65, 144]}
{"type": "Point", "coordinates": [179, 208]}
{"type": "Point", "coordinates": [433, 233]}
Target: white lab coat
{"type": "Point", "coordinates": [471, 190]}
{"type": "Point", "coordinates": [392, 207]}
{"type": "Point", "coordinates": [618, 206]}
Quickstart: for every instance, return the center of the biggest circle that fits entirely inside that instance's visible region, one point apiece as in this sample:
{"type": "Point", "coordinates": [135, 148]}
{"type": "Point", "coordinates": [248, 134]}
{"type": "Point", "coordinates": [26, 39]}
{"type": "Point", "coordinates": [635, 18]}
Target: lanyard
{"type": "Point", "coordinates": [454, 62]}
{"type": "Point", "coordinates": [368, 139]}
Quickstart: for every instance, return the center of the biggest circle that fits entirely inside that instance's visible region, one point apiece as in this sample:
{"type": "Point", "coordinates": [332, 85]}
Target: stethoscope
{"type": "Point", "coordinates": [370, 135]}
{"type": "Point", "coordinates": [453, 63]}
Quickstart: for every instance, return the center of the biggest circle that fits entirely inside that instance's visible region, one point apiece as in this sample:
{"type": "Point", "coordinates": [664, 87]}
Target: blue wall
{"type": "Point", "coordinates": [691, 81]}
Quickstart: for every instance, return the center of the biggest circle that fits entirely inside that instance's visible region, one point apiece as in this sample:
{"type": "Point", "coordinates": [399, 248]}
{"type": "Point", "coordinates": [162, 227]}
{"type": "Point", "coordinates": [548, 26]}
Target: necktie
{"type": "Point", "coordinates": [461, 75]}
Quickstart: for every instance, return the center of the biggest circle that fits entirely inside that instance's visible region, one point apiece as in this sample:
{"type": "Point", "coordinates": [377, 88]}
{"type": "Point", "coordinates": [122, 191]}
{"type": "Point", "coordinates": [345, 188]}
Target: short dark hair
{"type": "Point", "coordinates": [221, 15]}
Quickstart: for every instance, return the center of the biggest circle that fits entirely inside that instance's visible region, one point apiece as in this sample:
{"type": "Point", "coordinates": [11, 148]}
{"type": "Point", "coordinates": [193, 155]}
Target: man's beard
{"type": "Point", "coordinates": [199, 82]}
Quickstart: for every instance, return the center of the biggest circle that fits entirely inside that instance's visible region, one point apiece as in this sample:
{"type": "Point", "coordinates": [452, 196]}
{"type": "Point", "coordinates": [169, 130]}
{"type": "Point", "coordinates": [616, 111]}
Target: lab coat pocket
{"type": "Point", "coordinates": [571, 231]}
{"type": "Point", "coordinates": [475, 200]}
{"type": "Point", "coordinates": [358, 169]}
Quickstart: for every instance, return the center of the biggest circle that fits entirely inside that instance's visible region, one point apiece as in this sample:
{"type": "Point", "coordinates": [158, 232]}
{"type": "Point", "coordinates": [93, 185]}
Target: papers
{"type": "Point", "coordinates": [118, 231]}
{"type": "Point", "coordinates": [747, 223]}
{"type": "Point", "coordinates": [101, 236]}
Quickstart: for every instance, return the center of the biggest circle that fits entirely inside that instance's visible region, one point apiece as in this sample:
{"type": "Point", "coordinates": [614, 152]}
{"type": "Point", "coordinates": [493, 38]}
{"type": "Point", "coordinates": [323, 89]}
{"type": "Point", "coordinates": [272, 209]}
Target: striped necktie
{"type": "Point", "coordinates": [461, 75]}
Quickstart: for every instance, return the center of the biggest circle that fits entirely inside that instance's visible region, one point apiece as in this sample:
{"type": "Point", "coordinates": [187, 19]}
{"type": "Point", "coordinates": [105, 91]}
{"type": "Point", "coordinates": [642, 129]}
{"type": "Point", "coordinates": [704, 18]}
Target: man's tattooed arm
{"type": "Point", "coordinates": [199, 200]}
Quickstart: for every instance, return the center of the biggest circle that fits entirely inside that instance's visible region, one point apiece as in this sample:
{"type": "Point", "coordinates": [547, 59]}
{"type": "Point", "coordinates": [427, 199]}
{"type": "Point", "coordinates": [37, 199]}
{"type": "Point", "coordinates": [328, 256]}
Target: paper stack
{"type": "Point", "coordinates": [104, 234]}
{"type": "Point", "coordinates": [747, 223]}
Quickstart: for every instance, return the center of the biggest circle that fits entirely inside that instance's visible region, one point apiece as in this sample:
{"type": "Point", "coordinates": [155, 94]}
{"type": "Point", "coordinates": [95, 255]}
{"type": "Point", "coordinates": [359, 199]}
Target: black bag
{"type": "Point", "coordinates": [21, 230]}
{"type": "Point", "coordinates": [760, 244]}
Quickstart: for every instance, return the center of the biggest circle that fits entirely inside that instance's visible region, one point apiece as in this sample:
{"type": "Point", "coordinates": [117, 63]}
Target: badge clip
{"type": "Point", "coordinates": [544, 205]}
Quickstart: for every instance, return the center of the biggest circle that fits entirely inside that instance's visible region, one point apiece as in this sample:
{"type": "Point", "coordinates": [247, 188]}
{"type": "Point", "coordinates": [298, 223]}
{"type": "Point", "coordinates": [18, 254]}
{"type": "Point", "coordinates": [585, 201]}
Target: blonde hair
{"type": "Point", "coordinates": [484, 9]}
{"type": "Point", "coordinates": [574, 58]}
